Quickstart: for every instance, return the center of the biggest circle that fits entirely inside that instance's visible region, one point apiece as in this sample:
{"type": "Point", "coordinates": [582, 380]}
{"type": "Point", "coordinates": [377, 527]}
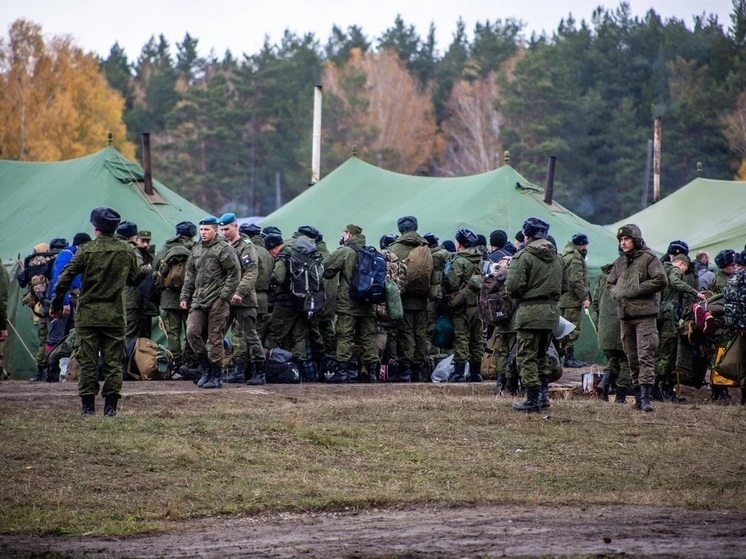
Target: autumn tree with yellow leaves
{"type": "Point", "coordinates": [54, 102]}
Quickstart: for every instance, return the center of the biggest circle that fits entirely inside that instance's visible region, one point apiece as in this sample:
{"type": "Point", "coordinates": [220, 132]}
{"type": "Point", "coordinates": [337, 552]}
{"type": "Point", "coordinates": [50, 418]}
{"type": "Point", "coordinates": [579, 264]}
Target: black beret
{"type": "Point", "coordinates": [186, 229]}
{"type": "Point", "coordinates": [387, 240]}
{"type": "Point", "coordinates": [105, 219]}
{"type": "Point", "coordinates": [498, 238]}
{"type": "Point", "coordinates": [309, 231]}
{"type": "Point", "coordinates": [271, 230]}
{"type": "Point", "coordinates": [272, 240]}
{"type": "Point", "coordinates": [678, 247]}
{"type": "Point", "coordinates": [466, 237]}
{"type": "Point", "coordinates": [250, 229]}
{"type": "Point", "coordinates": [407, 223]}
{"type": "Point", "coordinates": [725, 258]}
{"type": "Point", "coordinates": [536, 228]}
{"type": "Point", "coordinates": [127, 229]}
{"type": "Point", "coordinates": [432, 240]}
{"type": "Point", "coordinates": [580, 239]}
{"type": "Point", "coordinates": [81, 239]}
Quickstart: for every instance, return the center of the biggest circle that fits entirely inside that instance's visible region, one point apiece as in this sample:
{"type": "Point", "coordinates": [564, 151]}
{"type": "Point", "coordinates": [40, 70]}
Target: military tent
{"type": "Point", "coordinates": [374, 199]}
{"type": "Point", "coordinates": [42, 201]}
{"type": "Point", "coordinates": [707, 214]}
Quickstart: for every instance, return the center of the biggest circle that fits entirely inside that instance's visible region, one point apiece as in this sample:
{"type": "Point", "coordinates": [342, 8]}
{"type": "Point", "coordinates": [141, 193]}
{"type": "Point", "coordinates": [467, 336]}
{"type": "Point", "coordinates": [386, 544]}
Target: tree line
{"type": "Point", "coordinates": [235, 131]}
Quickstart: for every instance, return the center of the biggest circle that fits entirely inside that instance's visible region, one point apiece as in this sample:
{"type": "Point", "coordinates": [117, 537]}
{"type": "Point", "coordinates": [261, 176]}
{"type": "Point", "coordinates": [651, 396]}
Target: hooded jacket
{"type": "Point", "coordinates": [402, 247]}
{"type": "Point", "coordinates": [342, 262]}
{"type": "Point", "coordinates": [635, 282]}
{"type": "Point", "coordinates": [466, 269]}
{"type": "Point", "coordinates": [213, 273]}
{"type": "Point", "coordinates": [577, 277]}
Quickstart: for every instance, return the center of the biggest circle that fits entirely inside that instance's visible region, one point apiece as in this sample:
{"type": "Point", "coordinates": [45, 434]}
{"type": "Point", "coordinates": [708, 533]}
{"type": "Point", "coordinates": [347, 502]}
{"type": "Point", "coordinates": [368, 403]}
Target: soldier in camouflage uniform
{"type": "Point", "coordinates": [4, 289]}
{"type": "Point", "coordinates": [323, 323]}
{"type": "Point", "coordinates": [266, 264]}
{"type": "Point", "coordinates": [212, 276]}
{"type": "Point", "coordinates": [576, 297]}
{"type": "Point", "coordinates": [465, 274]}
{"type": "Point", "coordinates": [635, 281]}
{"type": "Point", "coordinates": [244, 302]}
{"type": "Point", "coordinates": [725, 260]}
{"type": "Point", "coordinates": [133, 301]}
{"type": "Point", "coordinates": [535, 281]}
{"type": "Point", "coordinates": [440, 258]}
{"type": "Point", "coordinates": [107, 265]}
{"type": "Point", "coordinates": [174, 317]}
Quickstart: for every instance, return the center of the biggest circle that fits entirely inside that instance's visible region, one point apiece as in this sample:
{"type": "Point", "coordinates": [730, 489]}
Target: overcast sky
{"type": "Point", "coordinates": [241, 25]}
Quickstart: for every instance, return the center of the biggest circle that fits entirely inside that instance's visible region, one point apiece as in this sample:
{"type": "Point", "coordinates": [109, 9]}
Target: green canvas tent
{"type": "Point", "coordinates": [709, 215]}
{"type": "Point", "coordinates": [374, 199]}
{"type": "Point", "coordinates": [42, 201]}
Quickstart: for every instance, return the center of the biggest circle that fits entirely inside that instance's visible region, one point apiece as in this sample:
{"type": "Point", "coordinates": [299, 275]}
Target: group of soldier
{"type": "Point", "coordinates": [238, 278]}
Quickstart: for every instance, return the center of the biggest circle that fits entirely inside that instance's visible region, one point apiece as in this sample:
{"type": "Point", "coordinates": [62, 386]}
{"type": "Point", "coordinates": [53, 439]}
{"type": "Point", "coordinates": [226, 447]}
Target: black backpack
{"type": "Point", "coordinates": [368, 283]}
{"type": "Point", "coordinates": [306, 276]}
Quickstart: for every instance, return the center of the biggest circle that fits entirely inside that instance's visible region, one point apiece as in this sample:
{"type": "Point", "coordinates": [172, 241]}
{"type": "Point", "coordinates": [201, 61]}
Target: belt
{"type": "Point", "coordinates": [537, 302]}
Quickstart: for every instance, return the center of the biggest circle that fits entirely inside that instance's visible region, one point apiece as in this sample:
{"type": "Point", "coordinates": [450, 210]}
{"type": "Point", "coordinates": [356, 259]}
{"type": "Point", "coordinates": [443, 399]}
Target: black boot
{"type": "Point", "coordinates": [403, 372]}
{"type": "Point", "coordinates": [638, 398]}
{"type": "Point", "coordinates": [657, 392]}
{"type": "Point", "coordinates": [621, 395]}
{"type": "Point", "coordinates": [416, 374]}
{"type": "Point", "coordinates": [374, 370]}
{"type": "Point", "coordinates": [110, 405]}
{"type": "Point", "coordinates": [570, 361]}
{"type": "Point", "coordinates": [205, 369]}
{"type": "Point", "coordinates": [238, 373]}
{"type": "Point", "coordinates": [475, 371]}
{"type": "Point", "coordinates": [602, 389]}
{"type": "Point", "coordinates": [257, 376]}
{"type": "Point", "coordinates": [459, 372]}
{"type": "Point", "coordinates": [214, 380]}
{"type": "Point", "coordinates": [88, 405]}
{"type": "Point", "coordinates": [41, 374]}
{"type": "Point", "coordinates": [512, 385]}
{"type": "Point", "coordinates": [531, 405]}
{"type": "Point", "coordinates": [500, 384]}
{"type": "Point", "coordinates": [544, 401]}
{"type": "Point", "coordinates": [645, 396]}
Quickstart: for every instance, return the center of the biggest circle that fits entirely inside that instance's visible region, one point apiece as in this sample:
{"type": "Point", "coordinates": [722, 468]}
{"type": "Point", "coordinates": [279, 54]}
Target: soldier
{"type": "Point", "coordinates": [323, 323]}
{"type": "Point", "coordinates": [243, 307]}
{"type": "Point", "coordinates": [635, 281]}
{"type": "Point", "coordinates": [441, 257]}
{"type": "Point", "coordinates": [266, 265]}
{"type": "Point", "coordinates": [174, 249]}
{"type": "Point", "coordinates": [725, 260]}
{"type": "Point", "coordinates": [535, 282]}
{"type": "Point", "coordinates": [355, 320]}
{"type": "Point", "coordinates": [4, 288]}
{"type": "Point", "coordinates": [412, 334]}
{"type": "Point", "coordinates": [133, 300]}
{"type": "Point", "coordinates": [465, 276]}
{"type": "Point", "coordinates": [576, 298]}
{"type": "Point", "coordinates": [143, 241]}
{"type": "Point", "coordinates": [212, 275]}
{"type": "Point", "coordinates": [107, 265]}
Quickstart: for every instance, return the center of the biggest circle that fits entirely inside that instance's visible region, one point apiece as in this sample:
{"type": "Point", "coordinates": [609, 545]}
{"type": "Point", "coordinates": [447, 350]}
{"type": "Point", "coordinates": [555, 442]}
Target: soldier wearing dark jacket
{"type": "Point", "coordinates": [635, 282]}
{"type": "Point", "coordinates": [174, 317]}
{"type": "Point", "coordinates": [107, 265]}
{"type": "Point", "coordinates": [725, 260]}
{"type": "Point", "coordinates": [133, 300]}
{"type": "Point", "coordinates": [412, 335]}
{"type": "Point", "coordinates": [465, 276]}
{"type": "Point", "coordinates": [325, 319]}
{"type": "Point", "coordinates": [266, 265]}
{"type": "Point", "coordinates": [212, 276]}
{"type": "Point", "coordinates": [355, 319]}
{"type": "Point", "coordinates": [535, 282]}
{"type": "Point", "coordinates": [575, 298]}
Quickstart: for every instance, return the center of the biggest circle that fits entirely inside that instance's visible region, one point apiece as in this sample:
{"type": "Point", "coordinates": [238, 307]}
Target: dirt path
{"type": "Point", "coordinates": [429, 531]}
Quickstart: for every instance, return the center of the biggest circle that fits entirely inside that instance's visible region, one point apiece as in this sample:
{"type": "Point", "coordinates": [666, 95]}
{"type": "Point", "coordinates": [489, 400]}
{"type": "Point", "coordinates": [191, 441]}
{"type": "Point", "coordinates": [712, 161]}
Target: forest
{"type": "Point", "coordinates": [233, 131]}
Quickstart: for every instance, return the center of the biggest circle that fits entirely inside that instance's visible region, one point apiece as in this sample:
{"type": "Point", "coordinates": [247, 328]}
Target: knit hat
{"type": "Point", "coordinates": [250, 229]}
{"type": "Point", "coordinates": [387, 240]}
{"type": "Point", "coordinates": [678, 247]}
{"type": "Point", "coordinates": [227, 219]}
{"type": "Point", "coordinates": [272, 240]}
{"type": "Point", "coordinates": [536, 228]}
{"type": "Point", "coordinates": [81, 239]}
{"type": "Point", "coordinates": [449, 246]}
{"type": "Point", "coordinates": [498, 238]}
{"type": "Point", "coordinates": [353, 229]}
{"type": "Point", "coordinates": [520, 237]}
{"type": "Point", "coordinates": [432, 240]}
{"type": "Point", "coordinates": [466, 237]}
{"type": "Point", "coordinates": [630, 230]}
{"type": "Point", "coordinates": [105, 219]}
{"type": "Point", "coordinates": [127, 229]}
{"type": "Point", "coordinates": [271, 230]}
{"type": "Point", "coordinates": [186, 229]}
{"type": "Point", "coordinates": [725, 258]}
{"type": "Point", "coordinates": [407, 223]}
{"type": "Point", "coordinates": [209, 220]}
{"type": "Point", "coordinates": [580, 239]}
{"type": "Point", "coordinates": [481, 240]}
{"type": "Point", "coordinates": [309, 231]}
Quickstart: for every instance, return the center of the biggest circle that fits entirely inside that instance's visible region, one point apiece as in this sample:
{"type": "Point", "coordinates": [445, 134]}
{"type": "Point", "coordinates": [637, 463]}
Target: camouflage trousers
{"type": "Point", "coordinates": [288, 329]}
{"type": "Point", "coordinates": [574, 315]}
{"type": "Point", "coordinates": [467, 336]}
{"type": "Point", "coordinates": [174, 321]}
{"type": "Point", "coordinates": [245, 337]}
{"type": "Point", "coordinates": [640, 341]}
{"type": "Point", "coordinates": [360, 328]}
{"type": "Point", "coordinates": [110, 342]}
{"type": "Point", "coordinates": [531, 357]}
{"type": "Point", "coordinates": [413, 339]}
{"type": "Point", "coordinates": [618, 367]}
{"type": "Point", "coordinates": [507, 341]}
{"type": "Point", "coordinates": [43, 332]}
{"type": "Point", "coordinates": [214, 322]}
{"type": "Point", "coordinates": [2, 370]}
{"type": "Point", "coordinates": [665, 354]}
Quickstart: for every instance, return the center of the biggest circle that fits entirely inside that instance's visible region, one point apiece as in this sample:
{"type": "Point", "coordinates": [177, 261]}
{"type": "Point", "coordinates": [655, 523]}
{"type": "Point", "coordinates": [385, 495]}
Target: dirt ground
{"type": "Point", "coordinates": [490, 530]}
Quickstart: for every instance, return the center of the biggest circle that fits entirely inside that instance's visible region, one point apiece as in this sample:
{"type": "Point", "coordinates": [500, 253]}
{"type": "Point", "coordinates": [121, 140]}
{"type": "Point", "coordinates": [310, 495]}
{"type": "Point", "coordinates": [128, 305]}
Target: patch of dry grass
{"type": "Point", "coordinates": [169, 457]}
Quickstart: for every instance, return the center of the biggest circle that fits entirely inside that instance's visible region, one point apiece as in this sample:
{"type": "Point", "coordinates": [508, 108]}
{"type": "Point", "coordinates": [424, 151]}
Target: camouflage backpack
{"type": "Point", "coordinates": [36, 274]}
{"type": "Point", "coordinates": [734, 297]}
{"type": "Point", "coordinates": [395, 285]}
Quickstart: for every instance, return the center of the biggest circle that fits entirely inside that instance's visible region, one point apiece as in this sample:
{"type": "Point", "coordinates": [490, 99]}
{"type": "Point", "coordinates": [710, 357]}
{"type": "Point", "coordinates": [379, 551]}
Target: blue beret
{"type": "Point", "coordinates": [407, 223]}
{"type": "Point", "coordinates": [227, 219]}
{"type": "Point", "coordinates": [536, 228]}
{"type": "Point", "coordinates": [127, 229]}
{"type": "Point", "coordinates": [250, 229]}
{"type": "Point", "coordinates": [209, 220]}
{"type": "Point", "coordinates": [186, 229]}
{"type": "Point", "coordinates": [105, 219]}
{"type": "Point", "coordinates": [580, 239]}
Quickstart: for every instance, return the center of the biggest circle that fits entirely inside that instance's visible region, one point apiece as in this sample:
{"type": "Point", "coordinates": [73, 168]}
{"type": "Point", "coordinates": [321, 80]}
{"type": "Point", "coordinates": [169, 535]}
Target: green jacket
{"type": "Point", "coordinates": [280, 280]}
{"type": "Point", "coordinates": [440, 257]}
{"type": "Point", "coordinates": [607, 316]}
{"type": "Point", "coordinates": [170, 297]}
{"type": "Point", "coordinates": [535, 282]}
{"type": "Point", "coordinates": [635, 282]}
{"type": "Point", "coordinates": [718, 284]}
{"type": "Point", "coordinates": [4, 292]}
{"type": "Point", "coordinates": [402, 247]}
{"type": "Point", "coordinates": [331, 287]}
{"type": "Point", "coordinates": [212, 273]}
{"type": "Point", "coordinates": [677, 296]}
{"type": "Point", "coordinates": [249, 262]}
{"type": "Point", "coordinates": [577, 277]}
{"type": "Point", "coordinates": [258, 240]}
{"type": "Point", "coordinates": [465, 272]}
{"type": "Point", "coordinates": [107, 265]}
{"type": "Point", "coordinates": [265, 267]}
{"type": "Point", "coordinates": [132, 296]}
{"type": "Point", "coordinates": [342, 263]}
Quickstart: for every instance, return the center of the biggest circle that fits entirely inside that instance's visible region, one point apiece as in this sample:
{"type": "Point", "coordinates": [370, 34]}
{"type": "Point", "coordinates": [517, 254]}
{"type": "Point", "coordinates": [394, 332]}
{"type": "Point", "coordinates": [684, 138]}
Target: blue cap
{"type": "Point", "coordinates": [227, 219]}
{"type": "Point", "coordinates": [209, 220]}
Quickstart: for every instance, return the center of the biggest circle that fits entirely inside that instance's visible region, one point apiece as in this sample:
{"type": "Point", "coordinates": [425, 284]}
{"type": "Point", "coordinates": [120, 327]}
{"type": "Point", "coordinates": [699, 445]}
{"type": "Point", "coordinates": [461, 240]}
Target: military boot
{"type": "Point", "coordinates": [214, 380]}
{"type": "Point", "coordinates": [500, 384]}
{"type": "Point", "coordinates": [88, 405]}
{"type": "Point", "coordinates": [602, 389]}
{"type": "Point", "coordinates": [374, 369]}
{"type": "Point", "coordinates": [238, 373]}
{"type": "Point", "coordinates": [475, 370]}
{"type": "Point", "coordinates": [638, 397]}
{"type": "Point", "coordinates": [41, 374]}
{"type": "Point", "coordinates": [205, 368]}
{"type": "Point", "coordinates": [416, 372]}
{"type": "Point", "coordinates": [570, 361]}
{"type": "Point", "coordinates": [110, 405]}
{"type": "Point", "coordinates": [621, 395]}
{"type": "Point", "coordinates": [257, 376]}
{"type": "Point", "coordinates": [511, 385]}
{"type": "Point", "coordinates": [645, 396]}
{"type": "Point", "coordinates": [403, 372]}
{"type": "Point", "coordinates": [544, 401]}
{"type": "Point", "coordinates": [459, 372]}
{"type": "Point", "coordinates": [531, 404]}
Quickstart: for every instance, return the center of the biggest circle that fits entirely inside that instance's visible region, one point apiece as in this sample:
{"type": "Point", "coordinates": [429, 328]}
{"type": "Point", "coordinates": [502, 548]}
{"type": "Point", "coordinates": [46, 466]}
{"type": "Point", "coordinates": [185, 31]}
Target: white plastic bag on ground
{"type": "Point", "coordinates": [444, 369]}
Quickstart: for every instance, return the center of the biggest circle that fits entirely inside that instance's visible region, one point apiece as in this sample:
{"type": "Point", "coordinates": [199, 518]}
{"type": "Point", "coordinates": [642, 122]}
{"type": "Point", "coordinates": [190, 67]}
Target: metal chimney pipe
{"type": "Point", "coordinates": [148, 184]}
{"type": "Point", "coordinates": [316, 150]}
{"type": "Point", "coordinates": [657, 160]}
{"type": "Point", "coordinates": [549, 190]}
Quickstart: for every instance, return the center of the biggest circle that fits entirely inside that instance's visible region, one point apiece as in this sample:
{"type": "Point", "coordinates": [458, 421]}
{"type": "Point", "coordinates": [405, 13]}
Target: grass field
{"type": "Point", "coordinates": [175, 453]}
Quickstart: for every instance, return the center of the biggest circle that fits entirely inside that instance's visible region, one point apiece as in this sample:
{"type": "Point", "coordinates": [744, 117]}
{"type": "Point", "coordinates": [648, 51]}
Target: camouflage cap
{"type": "Point", "coordinates": [353, 229]}
{"type": "Point", "coordinates": [144, 234]}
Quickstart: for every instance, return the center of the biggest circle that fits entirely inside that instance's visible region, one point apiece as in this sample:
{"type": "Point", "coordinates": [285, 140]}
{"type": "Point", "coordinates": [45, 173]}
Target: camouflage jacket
{"type": "Point", "coordinates": [249, 262]}
{"type": "Point", "coordinates": [170, 297]}
{"type": "Point", "coordinates": [607, 319]}
{"type": "Point", "coordinates": [577, 277]}
{"type": "Point", "coordinates": [635, 282]}
{"type": "Point", "coordinates": [342, 263]}
{"type": "Point", "coordinates": [465, 272]}
{"type": "Point", "coordinates": [402, 247]}
{"type": "Point", "coordinates": [4, 292]}
{"type": "Point", "coordinates": [213, 273]}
